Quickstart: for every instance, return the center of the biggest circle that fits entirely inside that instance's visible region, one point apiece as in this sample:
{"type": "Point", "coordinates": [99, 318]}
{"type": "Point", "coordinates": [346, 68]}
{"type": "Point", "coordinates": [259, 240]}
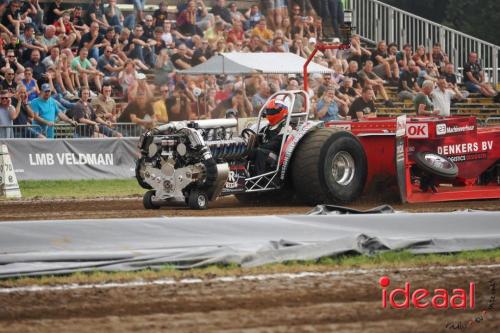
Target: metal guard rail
{"type": "Point", "coordinates": [66, 131]}
{"type": "Point", "coordinates": [375, 21]}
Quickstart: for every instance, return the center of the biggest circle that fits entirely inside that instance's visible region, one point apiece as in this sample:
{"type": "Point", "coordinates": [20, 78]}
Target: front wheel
{"type": "Point", "coordinates": [197, 199]}
{"type": "Point", "coordinates": [147, 200]}
{"type": "Point", "coordinates": [329, 166]}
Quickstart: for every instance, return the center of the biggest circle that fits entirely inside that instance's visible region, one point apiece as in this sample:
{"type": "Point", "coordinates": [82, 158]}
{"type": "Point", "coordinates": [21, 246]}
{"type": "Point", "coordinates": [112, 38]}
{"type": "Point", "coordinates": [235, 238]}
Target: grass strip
{"type": "Point", "coordinates": [389, 260]}
{"type": "Point", "coordinates": [56, 189]}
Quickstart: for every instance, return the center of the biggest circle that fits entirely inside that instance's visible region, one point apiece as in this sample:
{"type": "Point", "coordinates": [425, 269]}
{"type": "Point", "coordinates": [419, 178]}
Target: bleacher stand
{"type": "Point", "coordinates": [137, 49]}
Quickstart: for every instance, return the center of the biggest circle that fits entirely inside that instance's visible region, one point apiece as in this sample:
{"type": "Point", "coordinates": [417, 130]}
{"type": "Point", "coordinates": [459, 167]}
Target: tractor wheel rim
{"type": "Point", "coordinates": [343, 168]}
{"type": "Point", "coordinates": [438, 161]}
{"type": "Point", "coordinates": [201, 201]}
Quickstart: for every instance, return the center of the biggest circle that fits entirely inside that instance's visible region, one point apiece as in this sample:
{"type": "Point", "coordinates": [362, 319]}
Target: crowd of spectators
{"type": "Point", "coordinates": [89, 67]}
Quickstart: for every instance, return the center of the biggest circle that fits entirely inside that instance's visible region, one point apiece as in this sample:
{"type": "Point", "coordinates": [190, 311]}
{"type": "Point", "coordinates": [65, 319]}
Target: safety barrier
{"type": "Point", "coordinates": [375, 21]}
{"type": "Point", "coordinates": [67, 131]}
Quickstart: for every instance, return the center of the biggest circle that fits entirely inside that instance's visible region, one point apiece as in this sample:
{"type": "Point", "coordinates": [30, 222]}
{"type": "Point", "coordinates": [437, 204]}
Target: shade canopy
{"type": "Point", "coordinates": [255, 63]}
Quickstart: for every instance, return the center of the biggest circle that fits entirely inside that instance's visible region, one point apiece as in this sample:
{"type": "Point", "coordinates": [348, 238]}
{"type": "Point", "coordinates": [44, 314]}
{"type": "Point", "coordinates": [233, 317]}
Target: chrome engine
{"type": "Point", "coordinates": [181, 156]}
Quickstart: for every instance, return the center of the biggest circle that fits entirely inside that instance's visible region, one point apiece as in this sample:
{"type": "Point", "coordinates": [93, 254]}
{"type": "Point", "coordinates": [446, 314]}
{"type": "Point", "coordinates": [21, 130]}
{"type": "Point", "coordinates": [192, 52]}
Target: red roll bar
{"type": "Point", "coordinates": [321, 47]}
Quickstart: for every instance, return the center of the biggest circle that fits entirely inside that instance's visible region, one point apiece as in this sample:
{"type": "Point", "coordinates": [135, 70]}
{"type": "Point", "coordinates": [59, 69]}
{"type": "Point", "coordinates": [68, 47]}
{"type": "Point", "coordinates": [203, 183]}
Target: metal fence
{"type": "Point", "coordinates": [66, 131]}
{"type": "Point", "coordinates": [375, 21]}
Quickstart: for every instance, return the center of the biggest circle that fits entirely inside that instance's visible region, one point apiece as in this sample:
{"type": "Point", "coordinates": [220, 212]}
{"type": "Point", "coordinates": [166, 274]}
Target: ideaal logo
{"type": "Point", "coordinates": [462, 325]}
{"type": "Point", "coordinates": [439, 299]}
{"type": "Point", "coordinates": [401, 298]}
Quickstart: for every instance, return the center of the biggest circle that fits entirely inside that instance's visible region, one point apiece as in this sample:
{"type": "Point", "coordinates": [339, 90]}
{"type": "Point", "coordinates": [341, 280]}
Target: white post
{"type": "Point", "coordinates": [495, 66]}
{"type": "Point", "coordinates": [8, 182]}
{"type": "Point", "coordinates": [391, 26]}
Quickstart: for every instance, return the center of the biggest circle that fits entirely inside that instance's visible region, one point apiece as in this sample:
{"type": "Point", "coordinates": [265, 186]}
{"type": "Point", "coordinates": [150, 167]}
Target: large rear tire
{"type": "Point", "coordinates": [329, 166]}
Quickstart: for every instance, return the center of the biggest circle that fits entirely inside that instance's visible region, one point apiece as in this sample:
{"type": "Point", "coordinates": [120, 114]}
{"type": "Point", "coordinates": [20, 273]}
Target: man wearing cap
{"type": "Point", "coordinates": [45, 111]}
{"type": "Point", "coordinates": [139, 86]}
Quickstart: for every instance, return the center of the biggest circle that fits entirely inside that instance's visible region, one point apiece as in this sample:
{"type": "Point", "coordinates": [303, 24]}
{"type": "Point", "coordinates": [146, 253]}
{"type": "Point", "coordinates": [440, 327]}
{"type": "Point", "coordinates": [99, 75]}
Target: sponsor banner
{"type": "Point", "coordinates": [35, 159]}
{"type": "Point", "coordinates": [455, 149]}
{"type": "Point", "coordinates": [457, 127]}
{"type": "Point", "coordinates": [236, 179]}
{"type": "Point", "coordinates": [417, 130]}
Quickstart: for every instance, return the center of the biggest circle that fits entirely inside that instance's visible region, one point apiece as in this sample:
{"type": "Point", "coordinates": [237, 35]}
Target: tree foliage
{"type": "Point", "coordinates": [474, 17]}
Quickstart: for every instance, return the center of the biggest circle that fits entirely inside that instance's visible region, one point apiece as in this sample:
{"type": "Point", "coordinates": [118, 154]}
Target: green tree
{"type": "Point", "coordinates": [474, 17]}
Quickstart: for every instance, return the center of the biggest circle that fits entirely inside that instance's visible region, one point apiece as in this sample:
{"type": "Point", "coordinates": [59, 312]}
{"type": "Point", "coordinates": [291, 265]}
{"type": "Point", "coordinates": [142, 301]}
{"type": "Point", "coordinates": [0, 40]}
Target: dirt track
{"type": "Point", "coordinates": [132, 207]}
{"type": "Point", "coordinates": [349, 303]}
{"type": "Point", "coordinates": [313, 304]}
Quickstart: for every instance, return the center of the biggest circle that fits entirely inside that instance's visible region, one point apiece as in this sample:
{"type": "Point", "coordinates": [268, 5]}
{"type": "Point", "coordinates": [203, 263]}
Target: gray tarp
{"type": "Point", "coordinates": [104, 158]}
{"type": "Point", "coordinates": [255, 63]}
{"type": "Point", "coordinates": [50, 247]}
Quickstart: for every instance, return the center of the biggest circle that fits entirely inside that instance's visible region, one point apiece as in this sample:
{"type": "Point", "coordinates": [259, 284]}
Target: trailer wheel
{"type": "Point", "coordinates": [197, 199]}
{"type": "Point", "coordinates": [436, 164]}
{"type": "Point", "coordinates": [329, 166]}
{"type": "Point", "coordinates": [147, 200]}
{"type": "Point", "coordinates": [139, 164]}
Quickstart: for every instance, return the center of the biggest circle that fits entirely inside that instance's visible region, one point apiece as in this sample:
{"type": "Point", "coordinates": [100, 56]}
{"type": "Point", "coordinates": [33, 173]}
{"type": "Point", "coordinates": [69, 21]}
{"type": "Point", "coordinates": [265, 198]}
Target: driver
{"type": "Point", "coordinates": [276, 112]}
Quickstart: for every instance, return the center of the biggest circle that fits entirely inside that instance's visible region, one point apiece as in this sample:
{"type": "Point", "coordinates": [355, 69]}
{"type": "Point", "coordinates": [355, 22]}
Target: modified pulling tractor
{"type": "Point", "coordinates": [429, 159]}
{"type": "Point", "coordinates": [426, 159]}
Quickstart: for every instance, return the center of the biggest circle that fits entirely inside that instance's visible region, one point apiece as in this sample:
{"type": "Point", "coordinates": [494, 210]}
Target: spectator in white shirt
{"type": "Point", "coordinates": [442, 96]}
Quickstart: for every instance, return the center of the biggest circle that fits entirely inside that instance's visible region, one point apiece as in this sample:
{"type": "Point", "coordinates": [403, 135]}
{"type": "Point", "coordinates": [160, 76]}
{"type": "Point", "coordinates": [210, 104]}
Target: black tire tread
{"type": "Point", "coordinates": [306, 176]}
{"type": "Point", "coordinates": [307, 167]}
{"type": "Point", "coordinates": [148, 202]}
{"type": "Point", "coordinates": [193, 199]}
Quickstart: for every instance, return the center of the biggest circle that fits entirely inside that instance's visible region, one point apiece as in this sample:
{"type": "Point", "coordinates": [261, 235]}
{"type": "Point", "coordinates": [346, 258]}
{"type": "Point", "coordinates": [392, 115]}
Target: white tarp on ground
{"type": "Point", "coordinates": [255, 63]}
{"type": "Point", "coordinates": [53, 247]}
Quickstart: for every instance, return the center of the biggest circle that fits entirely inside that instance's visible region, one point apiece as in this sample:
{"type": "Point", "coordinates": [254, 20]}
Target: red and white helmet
{"type": "Point", "coordinates": [276, 111]}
